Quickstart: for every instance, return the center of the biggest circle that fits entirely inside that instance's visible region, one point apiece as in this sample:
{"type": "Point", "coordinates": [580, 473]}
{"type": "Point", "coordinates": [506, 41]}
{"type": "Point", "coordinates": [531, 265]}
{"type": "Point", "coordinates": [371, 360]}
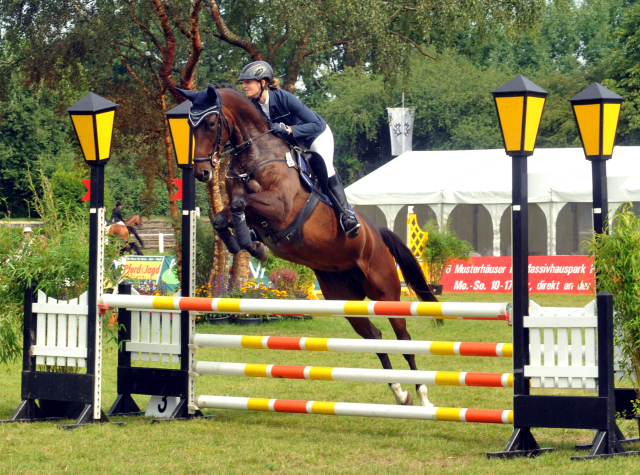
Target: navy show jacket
{"type": "Point", "coordinates": [284, 107]}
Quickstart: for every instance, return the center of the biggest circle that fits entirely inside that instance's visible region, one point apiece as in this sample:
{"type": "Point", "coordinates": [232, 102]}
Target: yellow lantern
{"type": "Point", "coordinates": [519, 104]}
{"type": "Point", "coordinates": [181, 134]}
{"type": "Point", "coordinates": [597, 110]}
{"type": "Point", "coordinates": [92, 118]}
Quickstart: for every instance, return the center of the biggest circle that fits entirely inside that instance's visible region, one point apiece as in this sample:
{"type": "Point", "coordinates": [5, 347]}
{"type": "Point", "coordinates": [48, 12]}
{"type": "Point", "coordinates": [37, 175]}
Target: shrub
{"type": "Point", "coordinates": [616, 260]}
{"type": "Point", "coordinates": [442, 248]}
{"type": "Point", "coordinates": [56, 258]}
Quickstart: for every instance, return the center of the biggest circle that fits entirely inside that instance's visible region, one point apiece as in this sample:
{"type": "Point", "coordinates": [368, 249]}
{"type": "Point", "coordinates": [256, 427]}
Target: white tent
{"type": "Point", "coordinates": [443, 180]}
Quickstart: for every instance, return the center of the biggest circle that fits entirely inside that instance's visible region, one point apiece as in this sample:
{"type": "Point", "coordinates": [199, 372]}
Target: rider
{"type": "Point", "coordinates": [116, 214]}
{"type": "Point", "coordinates": [291, 120]}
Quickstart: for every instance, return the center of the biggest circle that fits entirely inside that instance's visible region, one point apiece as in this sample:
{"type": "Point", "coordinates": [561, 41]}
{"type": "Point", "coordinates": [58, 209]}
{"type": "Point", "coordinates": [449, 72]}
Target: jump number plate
{"type": "Point", "coordinates": [290, 161]}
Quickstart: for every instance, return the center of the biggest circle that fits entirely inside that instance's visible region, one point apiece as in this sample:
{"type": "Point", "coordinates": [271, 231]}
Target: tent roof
{"type": "Point", "coordinates": [484, 177]}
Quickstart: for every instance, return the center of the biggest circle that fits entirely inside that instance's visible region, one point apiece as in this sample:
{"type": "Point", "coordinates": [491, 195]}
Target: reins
{"type": "Point", "coordinates": [234, 151]}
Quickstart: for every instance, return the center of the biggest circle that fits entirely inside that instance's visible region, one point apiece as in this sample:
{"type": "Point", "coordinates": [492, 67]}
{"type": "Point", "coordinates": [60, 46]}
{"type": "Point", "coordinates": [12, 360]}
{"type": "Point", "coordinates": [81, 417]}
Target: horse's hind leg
{"type": "Point", "coordinates": [366, 329]}
{"type": "Point", "coordinates": [399, 326]}
{"type": "Point", "coordinates": [348, 286]}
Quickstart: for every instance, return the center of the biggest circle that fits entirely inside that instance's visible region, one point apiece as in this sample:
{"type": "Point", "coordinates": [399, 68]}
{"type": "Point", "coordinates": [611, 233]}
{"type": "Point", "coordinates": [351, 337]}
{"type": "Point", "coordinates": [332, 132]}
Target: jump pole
{"type": "Point", "coordinates": [350, 308]}
{"type": "Point", "coordinates": [355, 375]}
{"type": "Point", "coordinates": [487, 416]}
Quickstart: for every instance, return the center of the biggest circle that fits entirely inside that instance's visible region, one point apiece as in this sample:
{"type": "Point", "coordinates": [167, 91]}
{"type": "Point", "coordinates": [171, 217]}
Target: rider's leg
{"type": "Point", "coordinates": [323, 145]}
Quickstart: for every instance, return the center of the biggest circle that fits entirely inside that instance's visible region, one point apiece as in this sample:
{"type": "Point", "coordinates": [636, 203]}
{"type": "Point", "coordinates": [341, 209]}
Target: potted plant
{"type": "Point", "coordinates": [616, 262]}
{"type": "Point", "coordinates": [441, 249]}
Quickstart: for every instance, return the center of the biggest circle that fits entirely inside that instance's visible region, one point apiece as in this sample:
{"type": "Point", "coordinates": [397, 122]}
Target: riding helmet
{"type": "Point", "coordinates": [118, 204]}
{"type": "Point", "coordinates": [257, 70]}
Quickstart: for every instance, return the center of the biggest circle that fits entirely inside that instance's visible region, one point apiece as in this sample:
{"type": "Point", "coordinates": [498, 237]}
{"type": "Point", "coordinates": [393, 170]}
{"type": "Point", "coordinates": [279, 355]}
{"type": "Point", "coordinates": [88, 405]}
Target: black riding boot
{"type": "Point", "coordinates": [348, 219]}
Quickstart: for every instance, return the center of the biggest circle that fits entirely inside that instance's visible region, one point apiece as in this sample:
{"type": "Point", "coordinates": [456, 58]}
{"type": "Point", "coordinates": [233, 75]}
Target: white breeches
{"type": "Point", "coordinates": [323, 145]}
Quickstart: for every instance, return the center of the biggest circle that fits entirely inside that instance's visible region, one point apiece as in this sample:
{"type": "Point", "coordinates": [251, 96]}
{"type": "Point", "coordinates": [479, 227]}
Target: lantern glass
{"type": "Point", "coordinates": [535, 106]}
{"type": "Point", "coordinates": [588, 117]}
{"type": "Point", "coordinates": [510, 114]}
{"type": "Point", "coordinates": [84, 128]}
{"type": "Point", "coordinates": [104, 128]}
{"type": "Point", "coordinates": [609, 126]}
{"type": "Point", "coordinates": [180, 136]}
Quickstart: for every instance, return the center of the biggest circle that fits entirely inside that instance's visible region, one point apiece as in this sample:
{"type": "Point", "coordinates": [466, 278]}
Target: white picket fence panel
{"type": "Point", "coordinates": [572, 331]}
{"type": "Point", "coordinates": [61, 331]}
{"type": "Point", "coordinates": [155, 336]}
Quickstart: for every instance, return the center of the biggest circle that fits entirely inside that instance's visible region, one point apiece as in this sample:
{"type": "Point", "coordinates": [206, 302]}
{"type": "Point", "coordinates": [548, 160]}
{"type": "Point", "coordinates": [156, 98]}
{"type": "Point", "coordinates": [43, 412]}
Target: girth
{"type": "Point", "coordinates": [292, 233]}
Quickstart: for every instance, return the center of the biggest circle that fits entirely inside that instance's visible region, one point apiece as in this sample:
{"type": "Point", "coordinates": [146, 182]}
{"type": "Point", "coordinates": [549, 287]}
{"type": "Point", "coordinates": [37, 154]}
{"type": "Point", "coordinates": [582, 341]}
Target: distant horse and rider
{"type": "Point", "coordinates": [123, 228]}
{"type": "Point", "coordinates": [301, 217]}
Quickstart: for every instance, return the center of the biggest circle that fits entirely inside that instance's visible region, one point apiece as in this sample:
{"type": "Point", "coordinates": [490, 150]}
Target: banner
{"type": "Point", "coordinates": [157, 270]}
{"type": "Point", "coordinates": [401, 128]}
{"type": "Point", "coordinates": [547, 275]}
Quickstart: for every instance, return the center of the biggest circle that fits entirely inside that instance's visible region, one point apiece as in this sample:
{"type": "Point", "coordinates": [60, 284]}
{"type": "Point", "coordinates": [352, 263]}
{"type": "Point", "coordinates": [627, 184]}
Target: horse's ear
{"type": "Point", "coordinates": [212, 94]}
{"type": "Point", "coordinates": [186, 93]}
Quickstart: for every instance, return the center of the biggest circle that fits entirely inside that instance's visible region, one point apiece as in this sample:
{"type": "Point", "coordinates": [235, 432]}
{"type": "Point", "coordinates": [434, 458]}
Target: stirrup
{"type": "Point", "coordinates": [352, 232]}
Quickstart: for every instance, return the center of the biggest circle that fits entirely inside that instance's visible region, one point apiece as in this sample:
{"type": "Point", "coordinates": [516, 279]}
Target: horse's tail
{"type": "Point", "coordinates": [133, 231]}
{"type": "Point", "coordinates": [413, 276]}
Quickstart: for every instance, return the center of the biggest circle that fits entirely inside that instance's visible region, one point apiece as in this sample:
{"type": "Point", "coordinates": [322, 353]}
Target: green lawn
{"type": "Point", "coordinates": [250, 442]}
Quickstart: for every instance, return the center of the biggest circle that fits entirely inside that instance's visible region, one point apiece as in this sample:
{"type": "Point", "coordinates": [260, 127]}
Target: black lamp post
{"type": "Point", "coordinates": [92, 118]}
{"type": "Point", "coordinates": [184, 145]}
{"type": "Point", "coordinates": [596, 110]}
{"type": "Point", "coordinates": [520, 104]}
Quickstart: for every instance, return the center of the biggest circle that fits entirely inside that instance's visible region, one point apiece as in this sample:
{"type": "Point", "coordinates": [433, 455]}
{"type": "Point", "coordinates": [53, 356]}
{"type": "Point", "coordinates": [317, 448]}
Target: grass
{"type": "Point", "coordinates": [251, 442]}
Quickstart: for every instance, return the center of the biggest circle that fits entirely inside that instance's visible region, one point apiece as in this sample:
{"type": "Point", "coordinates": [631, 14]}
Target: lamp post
{"type": "Point", "coordinates": [183, 146]}
{"type": "Point", "coordinates": [596, 110]}
{"type": "Point", "coordinates": [520, 104]}
{"type": "Point", "coordinates": [92, 118]}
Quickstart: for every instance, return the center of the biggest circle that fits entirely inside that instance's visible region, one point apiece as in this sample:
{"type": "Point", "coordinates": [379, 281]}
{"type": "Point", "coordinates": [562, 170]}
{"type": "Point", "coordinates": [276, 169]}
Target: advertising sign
{"type": "Point", "coordinates": [157, 270]}
{"type": "Point", "coordinates": [547, 275]}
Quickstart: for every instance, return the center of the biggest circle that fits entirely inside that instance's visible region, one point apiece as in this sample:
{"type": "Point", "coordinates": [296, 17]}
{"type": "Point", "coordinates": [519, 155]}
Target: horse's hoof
{"type": "Point", "coordinates": [262, 253]}
{"type": "Point", "coordinates": [408, 401]}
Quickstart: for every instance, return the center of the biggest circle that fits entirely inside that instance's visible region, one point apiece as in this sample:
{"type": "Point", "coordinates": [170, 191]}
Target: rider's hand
{"type": "Point", "coordinates": [280, 128]}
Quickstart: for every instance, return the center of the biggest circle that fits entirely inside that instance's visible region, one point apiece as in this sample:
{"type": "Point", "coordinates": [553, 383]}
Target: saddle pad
{"type": "Point", "coordinates": [305, 178]}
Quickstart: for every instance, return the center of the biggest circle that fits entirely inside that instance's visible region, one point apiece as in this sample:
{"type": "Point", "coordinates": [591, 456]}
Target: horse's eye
{"type": "Point", "coordinates": [211, 124]}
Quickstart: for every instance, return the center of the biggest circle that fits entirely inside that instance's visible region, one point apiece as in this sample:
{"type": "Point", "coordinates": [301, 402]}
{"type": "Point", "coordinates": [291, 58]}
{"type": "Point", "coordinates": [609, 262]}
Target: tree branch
{"type": "Point", "coordinates": [230, 37]}
{"type": "Point", "coordinates": [169, 52]}
{"type": "Point", "coordinates": [408, 40]}
{"type": "Point", "coordinates": [196, 46]}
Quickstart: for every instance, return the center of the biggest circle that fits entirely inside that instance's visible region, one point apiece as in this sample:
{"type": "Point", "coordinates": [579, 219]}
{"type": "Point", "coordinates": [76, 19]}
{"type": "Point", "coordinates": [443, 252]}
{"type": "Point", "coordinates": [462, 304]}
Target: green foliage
{"type": "Point", "coordinates": [616, 260]}
{"type": "Point", "coordinates": [31, 137]}
{"type": "Point", "coordinates": [56, 258]}
{"type": "Point", "coordinates": [623, 75]}
{"type": "Point", "coordinates": [442, 248]}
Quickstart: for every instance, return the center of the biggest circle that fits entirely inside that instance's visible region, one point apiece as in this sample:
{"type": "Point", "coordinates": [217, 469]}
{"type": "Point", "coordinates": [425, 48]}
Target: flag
{"type": "Point", "coordinates": [401, 128]}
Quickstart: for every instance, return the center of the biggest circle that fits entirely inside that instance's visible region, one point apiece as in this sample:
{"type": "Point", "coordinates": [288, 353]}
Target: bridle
{"type": "Point", "coordinates": [215, 150]}
{"type": "Point", "coordinates": [234, 151]}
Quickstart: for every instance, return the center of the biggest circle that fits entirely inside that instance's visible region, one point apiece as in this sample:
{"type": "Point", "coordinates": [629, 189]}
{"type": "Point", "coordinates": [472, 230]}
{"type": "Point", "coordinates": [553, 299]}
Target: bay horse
{"type": "Point", "coordinates": [123, 232]}
{"type": "Point", "coordinates": [265, 193]}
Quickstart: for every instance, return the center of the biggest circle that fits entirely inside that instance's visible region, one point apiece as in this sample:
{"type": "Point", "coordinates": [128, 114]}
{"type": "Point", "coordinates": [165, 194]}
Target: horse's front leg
{"type": "Point", "coordinates": [220, 223]}
{"type": "Point", "coordinates": [243, 236]}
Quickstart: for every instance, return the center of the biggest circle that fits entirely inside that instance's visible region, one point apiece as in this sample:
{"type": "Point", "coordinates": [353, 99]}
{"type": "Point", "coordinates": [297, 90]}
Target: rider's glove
{"type": "Point", "coordinates": [280, 128]}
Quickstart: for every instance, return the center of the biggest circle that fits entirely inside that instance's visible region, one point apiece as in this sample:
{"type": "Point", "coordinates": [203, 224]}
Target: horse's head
{"type": "Point", "coordinates": [210, 133]}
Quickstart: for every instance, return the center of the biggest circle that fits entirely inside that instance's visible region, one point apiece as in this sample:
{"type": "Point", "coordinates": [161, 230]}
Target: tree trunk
{"type": "Point", "coordinates": [240, 269]}
{"type": "Point", "coordinates": [293, 71]}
